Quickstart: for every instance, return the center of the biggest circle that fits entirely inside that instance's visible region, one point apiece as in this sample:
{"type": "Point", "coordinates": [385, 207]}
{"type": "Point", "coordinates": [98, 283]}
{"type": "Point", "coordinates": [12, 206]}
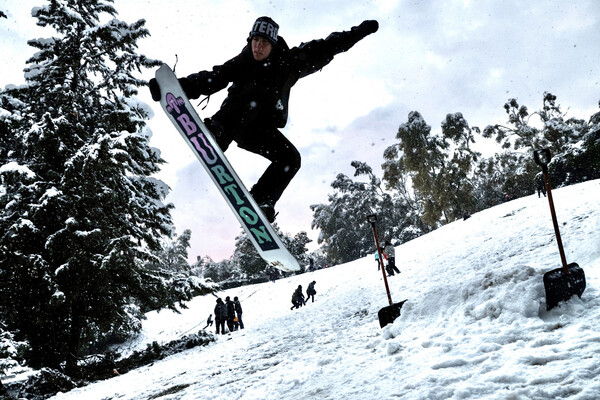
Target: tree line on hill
{"type": "Point", "coordinates": [430, 180]}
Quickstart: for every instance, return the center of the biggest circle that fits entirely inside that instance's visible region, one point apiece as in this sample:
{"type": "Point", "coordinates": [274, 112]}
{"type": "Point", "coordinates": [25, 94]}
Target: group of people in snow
{"type": "Point", "coordinates": [228, 313]}
{"type": "Point", "coordinates": [298, 299]}
{"type": "Point", "coordinates": [389, 254]}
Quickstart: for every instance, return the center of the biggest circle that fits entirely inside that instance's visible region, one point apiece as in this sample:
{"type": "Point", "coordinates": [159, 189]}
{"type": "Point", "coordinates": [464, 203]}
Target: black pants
{"type": "Point", "coordinates": [392, 266]}
{"type": "Point", "coordinates": [246, 122]}
{"type": "Point", "coordinates": [220, 324]}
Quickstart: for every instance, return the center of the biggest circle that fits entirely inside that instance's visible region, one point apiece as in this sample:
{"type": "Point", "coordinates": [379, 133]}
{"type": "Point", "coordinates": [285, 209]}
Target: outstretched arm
{"type": "Point", "coordinates": [203, 82]}
{"type": "Point", "coordinates": [318, 53]}
{"type": "Point", "coordinates": [209, 82]}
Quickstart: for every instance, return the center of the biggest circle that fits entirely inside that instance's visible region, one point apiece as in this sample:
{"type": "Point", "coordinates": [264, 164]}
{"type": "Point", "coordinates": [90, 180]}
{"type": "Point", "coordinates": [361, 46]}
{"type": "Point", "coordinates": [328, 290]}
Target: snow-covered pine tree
{"type": "Point", "coordinates": [251, 263]}
{"type": "Point", "coordinates": [171, 263]}
{"type": "Point", "coordinates": [80, 212]}
{"type": "Point", "coordinates": [219, 271]}
{"type": "Point", "coordinates": [246, 257]}
{"type": "Point", "coordinates": [297, 246]}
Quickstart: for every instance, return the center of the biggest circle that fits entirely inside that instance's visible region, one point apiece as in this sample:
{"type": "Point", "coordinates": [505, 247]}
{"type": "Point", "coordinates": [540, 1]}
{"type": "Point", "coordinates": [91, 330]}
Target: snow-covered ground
{"type": "Point", "coordinates": [474, 325]}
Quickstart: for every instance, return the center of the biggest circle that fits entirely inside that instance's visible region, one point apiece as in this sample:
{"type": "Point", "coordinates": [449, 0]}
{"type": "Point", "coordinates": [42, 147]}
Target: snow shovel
{"type": "Point", "coordinates": [561, 283]}
{"type": "Point", "coordinates": [387, 314]}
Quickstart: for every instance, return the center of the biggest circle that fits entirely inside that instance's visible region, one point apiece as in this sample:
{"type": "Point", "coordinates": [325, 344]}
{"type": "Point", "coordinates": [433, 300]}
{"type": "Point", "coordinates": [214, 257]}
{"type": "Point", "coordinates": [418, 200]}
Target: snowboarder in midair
{"type": "Point", "coordinates": [262, 76]}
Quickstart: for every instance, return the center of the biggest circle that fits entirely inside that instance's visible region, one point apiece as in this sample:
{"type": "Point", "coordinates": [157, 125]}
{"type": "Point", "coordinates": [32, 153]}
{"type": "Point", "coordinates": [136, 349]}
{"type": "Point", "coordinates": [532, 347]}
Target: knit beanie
{"type": "Point", "coordinates": [265, 27]}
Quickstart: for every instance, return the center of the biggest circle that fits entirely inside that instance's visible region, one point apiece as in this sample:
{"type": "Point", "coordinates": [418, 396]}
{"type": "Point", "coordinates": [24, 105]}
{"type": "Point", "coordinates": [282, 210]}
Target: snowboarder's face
{"type": "Point", "coordinates": [261, 48]}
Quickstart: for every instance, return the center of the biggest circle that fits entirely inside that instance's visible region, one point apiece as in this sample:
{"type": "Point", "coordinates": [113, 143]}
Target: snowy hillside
{"type": "Point", "coordinates": [474, 326]}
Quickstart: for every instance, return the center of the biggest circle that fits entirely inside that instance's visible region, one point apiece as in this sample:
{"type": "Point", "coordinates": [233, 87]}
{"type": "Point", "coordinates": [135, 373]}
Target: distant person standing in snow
{"type": "Point", "coordinates": [230, 313]}
{"type": "Point", "coordinates": [377, 259]}
{"type": "Point", "coordinates": [220, 316]}
{"type": "Point", "coordinates": [540, 186]}
{"type": "Point", "coordinates": [310, 291]}
{"type": "Point", "coordinates": [238, 311]}
{"type": "Point", "coordinates": [390, 252]}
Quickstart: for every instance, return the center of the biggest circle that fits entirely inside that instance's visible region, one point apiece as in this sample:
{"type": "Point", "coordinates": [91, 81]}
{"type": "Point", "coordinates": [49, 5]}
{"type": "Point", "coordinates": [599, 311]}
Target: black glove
{"type": "Point", "coordinates": [187, 87]}
{"type": "Point", "coordinates": [154, 89]}
{"type": "Point", "coordinates": [368, 27]}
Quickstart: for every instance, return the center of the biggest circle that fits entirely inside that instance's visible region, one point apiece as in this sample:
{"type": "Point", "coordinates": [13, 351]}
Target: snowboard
{"type": "Point", "coordinates": [180, 111]}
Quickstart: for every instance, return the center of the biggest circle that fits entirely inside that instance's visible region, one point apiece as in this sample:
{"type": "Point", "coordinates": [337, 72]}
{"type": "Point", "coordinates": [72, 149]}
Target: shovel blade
{"type": "Point", "coordinates": [561, 287]}
{"type": "Point", "coordinates": [388, 314]}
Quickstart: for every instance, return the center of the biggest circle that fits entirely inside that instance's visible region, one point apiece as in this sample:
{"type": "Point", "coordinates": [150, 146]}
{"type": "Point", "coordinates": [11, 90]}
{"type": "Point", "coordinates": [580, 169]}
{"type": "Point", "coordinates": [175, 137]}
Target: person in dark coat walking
{"type": "Point", "coordinates": [220, 316]}
{"type": "Point", "coordinates": [238, 311]}
{"type": "Point", "coordinates": [230, 313]}
{"type": "Point", "coordinates": [262, 76]}
{"type": "Point", "coordinates": [310, 291]}
{"type": "Point", "coordinates": [297, 298]}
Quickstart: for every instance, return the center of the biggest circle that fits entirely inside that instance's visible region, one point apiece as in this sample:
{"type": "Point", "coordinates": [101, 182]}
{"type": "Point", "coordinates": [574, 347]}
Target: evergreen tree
{"type": "Point", "coordinates": [297, 246]}
{"type": "Point", "coordinates": [80, 213]}
{"type": "Point", "coordinates": [439, 166]}
{"type": "Point", "coordinates": [345, 232]}
{"type": "Point", "coordinates": [246, 256]}
{"type": "Point", "coordinates": [572, 143]}
{"type": "Point", "coordinates": [252, 264]}
{"type": "Point", "coordinates": [575, 145]}
{"type": "Point", "coordinates": [222, 270]}
{"type": "Point", "coordinates": [518, 140]}
{"type": "Point", "coordinates": [397, 180]}
{"type": "Point", "coordinates": [174, 254]}
{"type": "Point", "coordinates": [488, 179]}
{"type": "Point", "coordinates": [182, 282]}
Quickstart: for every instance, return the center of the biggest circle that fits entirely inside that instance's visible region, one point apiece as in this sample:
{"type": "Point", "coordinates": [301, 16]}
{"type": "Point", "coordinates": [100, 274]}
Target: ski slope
{"type": "Point", "coordinates": [474, 325]}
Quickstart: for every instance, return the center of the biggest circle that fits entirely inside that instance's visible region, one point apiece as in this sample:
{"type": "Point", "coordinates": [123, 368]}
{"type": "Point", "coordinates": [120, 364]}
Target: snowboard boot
{"type": "Point", "coordinates": [269, 210]}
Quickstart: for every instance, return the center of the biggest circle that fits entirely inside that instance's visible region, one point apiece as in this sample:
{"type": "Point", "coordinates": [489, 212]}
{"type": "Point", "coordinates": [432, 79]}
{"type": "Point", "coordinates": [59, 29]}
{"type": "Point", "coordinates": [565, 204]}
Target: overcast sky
{"type": "Point", "coordinates": [430, 56]}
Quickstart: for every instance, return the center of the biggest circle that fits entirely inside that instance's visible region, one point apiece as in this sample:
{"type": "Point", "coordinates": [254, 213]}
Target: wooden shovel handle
{"type": "Point", "coordinates": [544, 164]}
{"type": "Point", "coordinates": [372, 219]}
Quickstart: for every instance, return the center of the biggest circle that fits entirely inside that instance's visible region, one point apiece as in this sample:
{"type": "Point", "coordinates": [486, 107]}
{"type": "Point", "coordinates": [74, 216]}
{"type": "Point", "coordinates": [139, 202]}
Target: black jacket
{"type": "Point", "coordinates": [230, 309]}
{"type": "Point", "coordinates": [273, 78]}
{"type": "Point", "coordinates": [220, 311]}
